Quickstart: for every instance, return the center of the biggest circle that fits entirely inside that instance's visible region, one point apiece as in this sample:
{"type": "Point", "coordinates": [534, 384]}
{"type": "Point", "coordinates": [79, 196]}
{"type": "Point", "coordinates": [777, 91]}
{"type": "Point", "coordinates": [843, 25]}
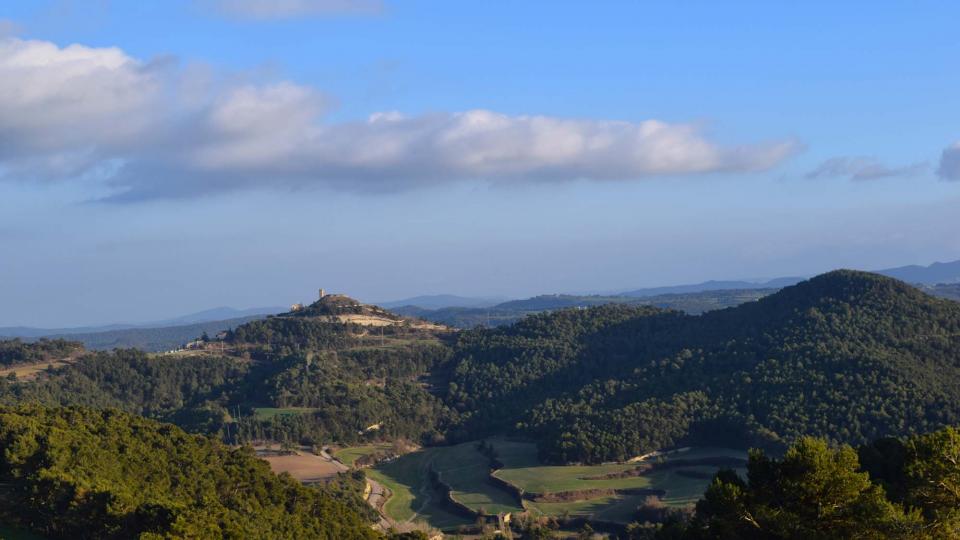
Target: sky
{"type": "Point", "coordinates": [164, 157]}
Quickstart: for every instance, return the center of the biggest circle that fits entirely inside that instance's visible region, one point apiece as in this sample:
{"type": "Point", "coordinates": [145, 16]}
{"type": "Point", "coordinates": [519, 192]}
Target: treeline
{"type": "Point", "coordinates": [16, 351]}
{"type": "Point", "coordinates": [193, 393]}
{"type": "Point", "coordinates": [846, 356]}
{"type": "Point", "coordinates": [79, 473]}
{"type": "Point", "coordinates": [891, 489]}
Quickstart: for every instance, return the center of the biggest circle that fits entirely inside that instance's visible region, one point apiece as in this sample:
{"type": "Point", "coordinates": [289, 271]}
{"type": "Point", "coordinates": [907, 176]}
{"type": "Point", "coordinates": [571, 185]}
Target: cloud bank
{"type": "Point", "coordinates": [151, 129]}
{"type": "Point", "coordinates": [950, 163]}
{"type": "Point", "coordinates": [863, 168]}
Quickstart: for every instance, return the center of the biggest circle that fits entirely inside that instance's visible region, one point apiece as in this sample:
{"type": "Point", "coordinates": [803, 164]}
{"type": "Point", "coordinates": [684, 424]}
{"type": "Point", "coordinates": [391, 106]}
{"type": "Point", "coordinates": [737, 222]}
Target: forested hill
{"type": "Point", "coordinates": [78, 473]}
{"type": "Point", "coordinates": [849, 356]}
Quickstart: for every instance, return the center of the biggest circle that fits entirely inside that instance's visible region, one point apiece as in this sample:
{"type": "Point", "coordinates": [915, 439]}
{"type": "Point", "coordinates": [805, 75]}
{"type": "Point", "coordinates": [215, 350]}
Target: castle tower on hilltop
{"type": "Point", "coordinates": [322, 293]}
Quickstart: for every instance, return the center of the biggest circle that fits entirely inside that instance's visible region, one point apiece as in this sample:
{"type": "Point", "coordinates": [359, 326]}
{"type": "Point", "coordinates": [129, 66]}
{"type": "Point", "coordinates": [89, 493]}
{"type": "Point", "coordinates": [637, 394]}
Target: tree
{"type": "Point", "coordinates": [815, 492]}
{"type": "Point", "coordinates": [933, 479]}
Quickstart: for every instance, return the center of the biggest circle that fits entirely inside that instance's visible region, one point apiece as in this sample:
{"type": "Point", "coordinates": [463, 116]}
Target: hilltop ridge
{"type": "Point", "coordinates": [849, 356]}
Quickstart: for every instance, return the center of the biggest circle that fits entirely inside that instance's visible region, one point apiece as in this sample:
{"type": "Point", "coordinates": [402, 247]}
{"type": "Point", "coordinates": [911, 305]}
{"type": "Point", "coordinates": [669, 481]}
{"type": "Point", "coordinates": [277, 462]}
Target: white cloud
{"type": "Point", "coordinates": [281, 9]}
{"type": "Point", "coordinates": [863, 168]}
{"type": "Point", "coordinates": [156, 131]}
{"type": "Point", "coordinates": [61, 107]}
{"type": "Point", "coordinates": [950, 162]}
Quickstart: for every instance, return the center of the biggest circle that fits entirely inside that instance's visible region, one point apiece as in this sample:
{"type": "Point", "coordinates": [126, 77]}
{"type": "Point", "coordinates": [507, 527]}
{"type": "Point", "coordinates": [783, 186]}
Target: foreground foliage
{"type": "Point", "coordinates": [911, 490]}
{"type": "Point", "coordinates": [80, 473]}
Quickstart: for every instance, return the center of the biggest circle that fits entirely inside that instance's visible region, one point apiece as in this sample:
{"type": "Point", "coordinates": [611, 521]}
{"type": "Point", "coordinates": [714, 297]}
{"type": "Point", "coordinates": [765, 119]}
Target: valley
{"type": "Point", "coordinates": [515, 481]}
{"type": "Point", "coordinates": [610, 416]}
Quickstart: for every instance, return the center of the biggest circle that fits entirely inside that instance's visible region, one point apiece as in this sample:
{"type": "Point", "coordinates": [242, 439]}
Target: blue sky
{"type": "Point", "coordinates": [184, 155]}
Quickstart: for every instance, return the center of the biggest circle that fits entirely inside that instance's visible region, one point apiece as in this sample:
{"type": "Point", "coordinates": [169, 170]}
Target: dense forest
{"type": "Point", "coordinates": [334, 379]}
{"type": "Point", "coordinates": [82, 473]}
{"type": "Point", "coordinates": [901, 489]}
{"type": "Point", "coordinates": [846, 356]}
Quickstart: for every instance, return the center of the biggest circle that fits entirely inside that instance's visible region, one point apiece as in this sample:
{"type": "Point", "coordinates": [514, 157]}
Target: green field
{"type": "Point", "coordinates": [412, 500]}
{"type": "Point", "coordinates": [615, 508]}
{"type": "Point", "coordinates": [266, 413]}
{"type": "Point", "coordinates": [522, 470]}
{"type": "Point", "coordinates": [348, 456]}
{"type": "Point", "coordinates": [465, 470]}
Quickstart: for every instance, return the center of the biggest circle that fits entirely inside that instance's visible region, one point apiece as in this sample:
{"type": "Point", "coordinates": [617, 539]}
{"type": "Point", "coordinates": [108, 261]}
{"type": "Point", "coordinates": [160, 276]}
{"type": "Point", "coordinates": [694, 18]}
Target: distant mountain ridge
{"type": "Point", "coordinates": [512, 311]}
{"type": "Point", "coordinates": [713, 285]}
{"type": "Point", "coordinates": [205, 316]}
{"type": "Point", "coordinates": [934, 274]}
{"type": "Point", "coordinates": [439, 301]}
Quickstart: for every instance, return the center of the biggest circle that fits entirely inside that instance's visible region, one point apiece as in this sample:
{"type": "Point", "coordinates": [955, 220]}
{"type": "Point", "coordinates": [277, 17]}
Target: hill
{"type": "Point", "coordinates": [80, 473]}
{"type": "Point", "coordinates": [325, 373]}
{"type": "Point", "coordinates": [948, 272]}
{"type": "Point", "coordinates": [713, 286]}
{"type": "Point", "coordinates": [438, 301]}
{"type": "Point", "coordinates": [848, 356]}
{"type": "Point", "coordinates": [206, 316]}
{"type": "Point", "coordinates": [932, 274]}
{"type": "Point", "coordinates": [944, 290]}
{"type": "Point", "coordinates": [16, 352]}
{"type": "Point", "coordinates": [163, 338]}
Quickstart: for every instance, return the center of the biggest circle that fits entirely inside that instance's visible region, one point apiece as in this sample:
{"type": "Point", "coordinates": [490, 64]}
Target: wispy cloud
{"type": "Point", "coordinates": [863, 168]}
{"type": "Point", "coordinates": [950, 162]}
{"type": "Point", "coordinates": [8, 28]}
{"type": "Point", "coordinates": [283, 9]}
{"type": "Point", "coordinates": [152, 130]}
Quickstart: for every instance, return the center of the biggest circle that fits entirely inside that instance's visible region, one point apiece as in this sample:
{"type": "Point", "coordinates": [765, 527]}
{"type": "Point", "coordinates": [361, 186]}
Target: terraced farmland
{"type": "Point", "coordinates": [349, 455]}
{"type": "Point", "coordinates": [610, 492]}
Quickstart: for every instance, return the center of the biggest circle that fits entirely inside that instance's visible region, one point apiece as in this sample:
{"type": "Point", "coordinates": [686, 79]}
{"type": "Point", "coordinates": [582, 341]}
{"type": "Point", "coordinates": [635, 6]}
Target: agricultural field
{"type": "Point", "coordinates": [349, 455]}
{"type": "Point", "coordinates": [266, 413]}
{"type": "Point", "coordinates": [466, 470]}
{"type": "Point", "coordinates": [412, 499]}
{"type": "Point", "coordinates": [304, 466]}
{"type": "Point", "coordinates": [28, 372]}
{"type": "Point", "coordinates": [522, 470]}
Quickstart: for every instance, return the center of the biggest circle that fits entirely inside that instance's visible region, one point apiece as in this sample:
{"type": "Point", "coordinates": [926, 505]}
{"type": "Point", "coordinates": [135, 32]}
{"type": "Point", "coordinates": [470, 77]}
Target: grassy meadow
{"type": "Point", "coordinates": [266, 413]}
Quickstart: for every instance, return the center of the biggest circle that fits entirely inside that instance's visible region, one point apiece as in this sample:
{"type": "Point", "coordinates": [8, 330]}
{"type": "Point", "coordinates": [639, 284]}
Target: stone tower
{"type": "Point", "coordinates": [322, 293]}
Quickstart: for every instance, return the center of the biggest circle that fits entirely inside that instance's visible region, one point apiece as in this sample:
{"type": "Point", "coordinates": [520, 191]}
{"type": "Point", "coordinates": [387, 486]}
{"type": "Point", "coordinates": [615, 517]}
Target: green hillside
{"type": "Point", "coordinates": [849, 356]}
{"type": "Point", "coordinates": [81, 473]}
